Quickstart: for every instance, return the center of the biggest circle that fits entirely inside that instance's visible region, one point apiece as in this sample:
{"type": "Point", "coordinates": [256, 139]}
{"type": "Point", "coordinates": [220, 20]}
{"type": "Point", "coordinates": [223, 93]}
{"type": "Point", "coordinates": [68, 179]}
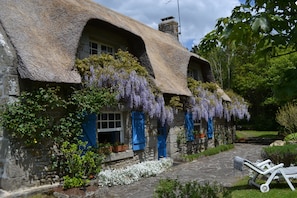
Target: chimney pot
{"type": "Point", "coordinates": [169, 25]}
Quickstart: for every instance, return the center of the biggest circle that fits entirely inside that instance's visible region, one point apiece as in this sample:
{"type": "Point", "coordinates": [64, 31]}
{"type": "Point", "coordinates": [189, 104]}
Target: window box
{"type": "Point", "coordinates": [119, 148]}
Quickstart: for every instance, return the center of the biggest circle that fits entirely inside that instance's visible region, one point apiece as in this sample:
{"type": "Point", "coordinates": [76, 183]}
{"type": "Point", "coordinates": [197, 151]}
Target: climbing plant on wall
{"type": "Point", "coordinates": [207, 103]}
{"type": "Point", "coordinates": [131, 82]}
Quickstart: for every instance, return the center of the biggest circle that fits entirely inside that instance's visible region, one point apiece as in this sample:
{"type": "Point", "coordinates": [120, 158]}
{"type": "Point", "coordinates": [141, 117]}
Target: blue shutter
{"type": "Point", "coordinates": [209, 128]}
{"type": "Point", "coordinates": [162, 136]}
{"type": "Point", "coordinates": [138, 131]}
{"type": "Point", "coordinates": [189, 125]}
{"type": "Point", "coordinates": [90, 130]}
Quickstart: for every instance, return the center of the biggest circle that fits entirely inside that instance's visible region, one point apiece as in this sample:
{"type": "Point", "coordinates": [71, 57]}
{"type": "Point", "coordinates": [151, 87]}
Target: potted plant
{"type": "Point", "coordinates": [196, 134]}
{"type": "Point", "coordinates": [201, 134]}
{"type": "Point", "coordinates": [105, 148]}
{"type": "Point", "coordinates": [117, 147]}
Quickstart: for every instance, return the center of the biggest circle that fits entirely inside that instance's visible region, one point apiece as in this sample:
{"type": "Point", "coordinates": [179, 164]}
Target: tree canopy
{"type": "Point", "coordinates": [272, 23]}
{"type": "Point", "coordinates": [253, 52]}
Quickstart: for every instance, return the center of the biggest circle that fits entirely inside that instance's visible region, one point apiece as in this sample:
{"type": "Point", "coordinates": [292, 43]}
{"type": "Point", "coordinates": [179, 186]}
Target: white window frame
{"type": "Point", "coordinates": [198, 124]}
{"type": "Point", "coordinates": [100, 122]}
{"type": "Point", "coordinates": [109, 49]}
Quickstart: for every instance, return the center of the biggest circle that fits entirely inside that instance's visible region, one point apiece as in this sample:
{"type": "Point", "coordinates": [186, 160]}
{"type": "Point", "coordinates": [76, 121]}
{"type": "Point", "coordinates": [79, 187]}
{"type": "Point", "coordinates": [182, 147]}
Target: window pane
{"type": "Point", "coordinates": [104, 125]}
{"type": "Point", "coordinates": [118, 116]}
{"type": "Point", "coordinates": [94, 51]}
{"type": "Point", "coordinates": [111, 124]}
{"type": "Point", "coordinates": [103, 48]}
{"type": "Point", "coordinates": [118, 124]}
{"type": "Point", "coordinates": [111, 116]}
{"type": "Point", "coordinates": [104, 116]}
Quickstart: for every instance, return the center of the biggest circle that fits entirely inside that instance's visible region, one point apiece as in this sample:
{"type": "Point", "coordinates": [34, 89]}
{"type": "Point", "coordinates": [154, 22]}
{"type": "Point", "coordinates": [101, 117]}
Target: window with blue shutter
{"type": "Point", "coordinates": [90, 130]}
{"type": "Point", "coordinates": [189, 125]}
{"type": "Point", "coordinates": [138, 130]}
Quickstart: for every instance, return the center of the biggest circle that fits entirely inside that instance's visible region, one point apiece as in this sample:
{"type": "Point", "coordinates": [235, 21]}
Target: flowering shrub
{"type": "Point", "coordinates": [133, 173]}
{"type": "Point", "coordinates": [126, 77]}
{"type": "Point", "coordinates": [206, 102]}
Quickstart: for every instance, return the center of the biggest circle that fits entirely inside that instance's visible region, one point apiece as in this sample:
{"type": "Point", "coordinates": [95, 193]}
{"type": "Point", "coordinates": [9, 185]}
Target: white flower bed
{"type": "Point", "coordinates": [133, 173]}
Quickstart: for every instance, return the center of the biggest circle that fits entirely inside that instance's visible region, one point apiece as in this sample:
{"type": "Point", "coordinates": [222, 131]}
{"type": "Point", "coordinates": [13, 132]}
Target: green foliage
{"type": "Point", "coordinates": [122, 60]}
{"type": "Point", "coordinates": [282, 74]}
{"type": "Point", "coordinates": [270, 22]}
{"type": "Point", "coordinates": [73, 182]}
{"type": "Point", "coordinates": [92, 99]}
{"type": "Point", "coordinates": [291, 137]}
{"type": "Point", "coordinates": [277, 189]}
{"type": "Point", "coordinates": [79, 162]}
{"type": "Point", "coordinates": [44, 117]}
{"type": "Point", "coordinates": [286, 154]}
{"type": "Point", "coordinates": [286, 116]}
{"type": "Point", "coordinates": [175, 102]}
{"type": "Point", "coordinates": [174, 188]}
{"type": "Point", "coordinates": [33, 119]}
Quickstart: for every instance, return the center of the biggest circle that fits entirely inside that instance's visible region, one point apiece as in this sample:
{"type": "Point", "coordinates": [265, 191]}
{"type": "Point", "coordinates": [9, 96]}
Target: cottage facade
{"type": "Point", "coordinates": [39, 42]}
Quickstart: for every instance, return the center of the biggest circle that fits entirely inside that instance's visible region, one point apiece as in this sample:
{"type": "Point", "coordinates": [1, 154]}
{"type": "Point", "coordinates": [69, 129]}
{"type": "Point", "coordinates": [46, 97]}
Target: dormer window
{"type": "Point", "coordinates": [99, 48]}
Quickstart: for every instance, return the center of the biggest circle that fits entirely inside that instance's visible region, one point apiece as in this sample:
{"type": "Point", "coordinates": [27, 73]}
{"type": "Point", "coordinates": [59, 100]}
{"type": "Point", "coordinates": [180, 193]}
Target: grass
{"type": "Point", "coordinates": [242, 190]}
{"type": "Point", "coordinates": [209, 152]}
{"type": "Point", "coordinates": [259, 134]}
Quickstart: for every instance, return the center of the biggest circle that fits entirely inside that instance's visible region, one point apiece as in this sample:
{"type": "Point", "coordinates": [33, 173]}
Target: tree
{"type": "Point", "coordinates": [273, 22]}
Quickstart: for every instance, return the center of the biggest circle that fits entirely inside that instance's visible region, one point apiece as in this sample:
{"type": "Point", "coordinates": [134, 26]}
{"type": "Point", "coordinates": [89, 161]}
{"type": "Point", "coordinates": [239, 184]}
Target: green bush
{"type": "Point", "coordinates": [168, 188]}
{"type": "Point", "coordinates": [286, 154]}
{"type": "Point", "coordinates": [286, 116]}
{"type": "Point", "coordinates": [78, 163]}
{"type": "Point", "coordinates": [291, 137]}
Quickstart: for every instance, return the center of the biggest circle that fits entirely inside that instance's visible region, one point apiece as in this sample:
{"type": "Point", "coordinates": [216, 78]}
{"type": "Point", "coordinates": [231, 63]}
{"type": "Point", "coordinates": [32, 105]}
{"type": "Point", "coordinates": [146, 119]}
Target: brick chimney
{"type": "Point", "coordinates": [169, 25]}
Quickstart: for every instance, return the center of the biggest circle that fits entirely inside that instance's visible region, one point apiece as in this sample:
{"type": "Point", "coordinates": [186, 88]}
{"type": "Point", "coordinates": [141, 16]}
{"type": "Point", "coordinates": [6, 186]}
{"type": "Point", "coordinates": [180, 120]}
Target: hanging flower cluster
{"type": "Point", "coordinates": [136, 91]}
{"type": "Point", "coordinates": [207, 103]}
{"type": "Point", "coordinates": [238, 108]}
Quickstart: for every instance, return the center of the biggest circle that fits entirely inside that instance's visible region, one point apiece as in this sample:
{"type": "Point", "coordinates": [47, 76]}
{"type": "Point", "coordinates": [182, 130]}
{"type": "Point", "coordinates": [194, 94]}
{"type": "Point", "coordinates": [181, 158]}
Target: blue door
{"type": "Point", "coordinates": [189, 125]}
{"type": "Point", "coordinates": [162, 136]}
{"type": "Point", "coordinates": [138, 130]}
{"type": "Point", "coordinates": [90, 130]}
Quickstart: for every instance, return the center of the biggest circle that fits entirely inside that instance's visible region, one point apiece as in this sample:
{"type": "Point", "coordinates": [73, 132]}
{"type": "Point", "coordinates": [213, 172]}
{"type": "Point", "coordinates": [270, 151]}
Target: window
{"type": "Point", "coordinates": [195, 73]}
{"type": "Point", "coordinates": [197, 125]}
{"type": "Point", "coordinates": [98, 48]}
{"type": "Point", "coordinates": [110, 127]}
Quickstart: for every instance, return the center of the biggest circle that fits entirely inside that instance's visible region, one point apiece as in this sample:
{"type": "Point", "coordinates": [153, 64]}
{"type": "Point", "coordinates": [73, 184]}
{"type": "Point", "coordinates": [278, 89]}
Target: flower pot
{"type": "Point", "coordinates": [117, 148]}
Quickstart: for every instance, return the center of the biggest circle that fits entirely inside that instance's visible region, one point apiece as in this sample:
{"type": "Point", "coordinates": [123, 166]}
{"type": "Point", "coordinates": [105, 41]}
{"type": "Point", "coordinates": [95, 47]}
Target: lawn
{"type": "Point", "coordinates": [242, 190]}
{"type": "Point", "coordinates": [259, 134]}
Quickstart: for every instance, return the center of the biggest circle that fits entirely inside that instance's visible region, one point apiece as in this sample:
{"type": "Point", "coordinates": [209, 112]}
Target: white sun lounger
{"type": "Point", "coordinates": [267, 169]}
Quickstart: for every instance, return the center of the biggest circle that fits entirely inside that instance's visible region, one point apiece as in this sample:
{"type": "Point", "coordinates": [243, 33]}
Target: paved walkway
{"type": "Point", "coordinates": [217, 168]}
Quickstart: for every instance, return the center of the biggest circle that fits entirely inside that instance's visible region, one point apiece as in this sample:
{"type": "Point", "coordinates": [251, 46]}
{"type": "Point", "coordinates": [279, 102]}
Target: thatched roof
{"type": "Point", "coordinates": [45, 34]}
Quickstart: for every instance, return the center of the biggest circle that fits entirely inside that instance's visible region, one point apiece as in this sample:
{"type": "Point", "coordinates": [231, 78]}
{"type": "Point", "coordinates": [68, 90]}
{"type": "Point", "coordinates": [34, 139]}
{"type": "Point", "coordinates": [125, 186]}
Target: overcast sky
{"type": "Point", "coordinates": [197, 17]}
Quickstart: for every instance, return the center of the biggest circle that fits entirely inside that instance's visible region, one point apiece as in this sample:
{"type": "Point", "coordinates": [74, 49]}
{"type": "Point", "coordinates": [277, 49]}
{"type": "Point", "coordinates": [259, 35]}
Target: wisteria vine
{"type": "Point", "coordinates": [126, 77]}
{"type": "Point", "coordinates": [133, 89]}
{"type": "Point", "coordinates": [207, 103]}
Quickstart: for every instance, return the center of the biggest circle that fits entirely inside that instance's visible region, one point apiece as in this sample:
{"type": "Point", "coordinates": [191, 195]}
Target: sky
{"type": "Point", "coordinates": [196, 17]}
